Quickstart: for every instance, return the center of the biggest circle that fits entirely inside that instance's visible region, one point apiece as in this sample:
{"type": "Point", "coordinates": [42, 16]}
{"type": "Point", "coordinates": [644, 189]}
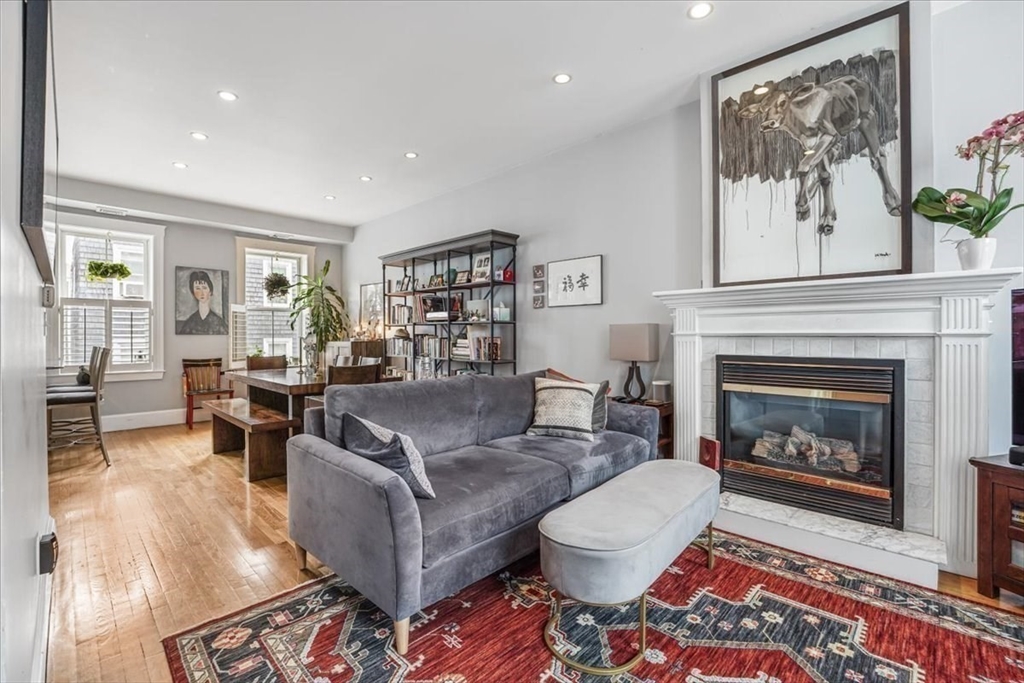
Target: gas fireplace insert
{"type": "Point", "coordinates": [823, 434]}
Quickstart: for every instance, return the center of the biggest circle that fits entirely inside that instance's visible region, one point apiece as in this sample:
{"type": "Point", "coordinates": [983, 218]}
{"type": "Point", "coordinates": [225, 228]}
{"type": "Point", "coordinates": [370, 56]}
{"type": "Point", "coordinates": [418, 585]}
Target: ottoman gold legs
{"type": "Point", "coordinates": [549, 638]}
{"type": "Point", "coordinates": [708, 547]}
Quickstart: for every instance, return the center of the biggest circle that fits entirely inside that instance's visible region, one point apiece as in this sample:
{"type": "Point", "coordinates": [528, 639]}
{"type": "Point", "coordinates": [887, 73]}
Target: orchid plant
{"type": "Point", "coordinates": [972, 210]}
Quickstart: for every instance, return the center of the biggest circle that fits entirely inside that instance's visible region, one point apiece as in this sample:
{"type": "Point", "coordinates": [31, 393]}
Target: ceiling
{"type": "Point", "coordinates": [329, 92]}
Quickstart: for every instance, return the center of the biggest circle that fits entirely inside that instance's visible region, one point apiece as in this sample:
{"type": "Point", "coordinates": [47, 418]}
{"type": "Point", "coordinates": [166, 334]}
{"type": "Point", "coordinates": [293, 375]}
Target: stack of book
{"type": "Point", "coordinates": [431, 346]}
{"type": "Point", "coordinates": [461, 349]}
{"type": "Point", "coordinates": [487, 348]}
{"type": "Point", "coordinates": [400, 314]}
{"type": "Point", "coordinates": [399, 347]}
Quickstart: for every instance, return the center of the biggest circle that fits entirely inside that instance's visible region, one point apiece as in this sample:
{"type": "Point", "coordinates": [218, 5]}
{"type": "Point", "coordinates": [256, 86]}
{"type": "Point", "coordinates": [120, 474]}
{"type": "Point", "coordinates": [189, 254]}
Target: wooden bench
{"type": "Point", "coordinates": [261, 431]}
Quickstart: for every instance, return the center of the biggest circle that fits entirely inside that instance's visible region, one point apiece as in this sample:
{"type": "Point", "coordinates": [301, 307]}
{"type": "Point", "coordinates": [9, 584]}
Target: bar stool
{"type": "Point", "coordinates": [82, 430]}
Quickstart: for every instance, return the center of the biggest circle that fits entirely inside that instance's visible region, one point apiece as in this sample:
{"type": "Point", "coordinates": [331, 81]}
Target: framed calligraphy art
{"type": "Point", "coordinates": [575, 282]}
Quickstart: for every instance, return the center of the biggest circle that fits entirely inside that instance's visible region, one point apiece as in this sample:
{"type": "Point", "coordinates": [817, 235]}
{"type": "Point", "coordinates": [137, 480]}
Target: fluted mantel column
{"type": "Point", "coordinates": [687, 384]}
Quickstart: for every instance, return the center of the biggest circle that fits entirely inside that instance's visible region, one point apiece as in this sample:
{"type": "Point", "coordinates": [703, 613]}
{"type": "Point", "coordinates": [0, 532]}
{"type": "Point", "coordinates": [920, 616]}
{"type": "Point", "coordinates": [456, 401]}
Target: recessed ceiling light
{"type": "Point", "coordinates": [561, 79]}
{"type": "Point", "coordinates": [196, 135]}
{"type": "Point", "coordinates": [411, 155]}
{"type": "Point", "coordinates": [330, 197]}
{"type": "Point", "coordinates": [761, 90]}
{"type": "Point", "coordinates": [365, 178]}
{"type": "Point", "coordinates": [179, 164]}
{"type": "Point", "coordinates": [699, 10]}
{"type": "Point", "coordinates": [227, 95]}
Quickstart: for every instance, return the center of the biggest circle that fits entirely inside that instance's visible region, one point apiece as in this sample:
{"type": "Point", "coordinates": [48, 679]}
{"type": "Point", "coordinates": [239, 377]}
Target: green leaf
{"type": "Point", "coordinates": [930, 194]}
{"type": "Point", "coordinates": [996, 221]}
{"type": "Point", "coordinates": [1001, 202]}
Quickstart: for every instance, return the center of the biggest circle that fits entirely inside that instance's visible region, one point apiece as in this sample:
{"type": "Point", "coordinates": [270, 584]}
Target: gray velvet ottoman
{"type": "Point", "coordinates": [609, 545]}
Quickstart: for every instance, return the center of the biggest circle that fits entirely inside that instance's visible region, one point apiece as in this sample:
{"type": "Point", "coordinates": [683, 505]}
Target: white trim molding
{"type": "Point", "coordinates": [156, 418]}
{"type": "Point", "coordinates": [950, 308]}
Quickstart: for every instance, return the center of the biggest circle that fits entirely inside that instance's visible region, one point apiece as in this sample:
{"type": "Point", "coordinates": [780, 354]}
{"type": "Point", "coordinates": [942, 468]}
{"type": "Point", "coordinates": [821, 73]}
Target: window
{"type": "Point", "coordinates": [115, 313]}
{"type": "Point", "coordinates": [267, 326]}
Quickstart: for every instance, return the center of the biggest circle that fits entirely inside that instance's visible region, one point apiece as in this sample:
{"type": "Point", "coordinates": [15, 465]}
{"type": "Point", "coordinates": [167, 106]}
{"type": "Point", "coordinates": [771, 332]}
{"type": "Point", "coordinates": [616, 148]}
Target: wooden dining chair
{"type": "Point", "coordinates": [346, 361]}
{"type": "Point", "coordinates": [355, 374]}
{"type": "Point", "coordinates": [369, 360]}
{"type": "Point", "coordinates": [201, 377]}
{"type": "Point", "coordinates": [266, 362]}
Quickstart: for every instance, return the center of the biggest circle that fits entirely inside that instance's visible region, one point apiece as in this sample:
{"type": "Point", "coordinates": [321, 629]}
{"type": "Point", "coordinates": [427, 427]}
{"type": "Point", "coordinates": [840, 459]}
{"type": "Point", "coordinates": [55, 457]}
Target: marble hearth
{"type": "Point", "coordinates": [938, 322]}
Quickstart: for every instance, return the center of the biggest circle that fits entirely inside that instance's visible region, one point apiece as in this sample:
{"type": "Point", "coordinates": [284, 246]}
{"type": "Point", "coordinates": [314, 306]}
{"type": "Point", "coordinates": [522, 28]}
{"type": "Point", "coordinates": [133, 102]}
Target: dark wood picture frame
{"type": "Point", "coordinates": [902, 14]}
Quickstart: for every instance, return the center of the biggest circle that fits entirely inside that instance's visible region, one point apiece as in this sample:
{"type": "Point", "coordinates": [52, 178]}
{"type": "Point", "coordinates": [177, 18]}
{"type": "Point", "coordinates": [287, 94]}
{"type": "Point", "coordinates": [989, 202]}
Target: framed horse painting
{"type": "Point", "coordinates": [811, 157]}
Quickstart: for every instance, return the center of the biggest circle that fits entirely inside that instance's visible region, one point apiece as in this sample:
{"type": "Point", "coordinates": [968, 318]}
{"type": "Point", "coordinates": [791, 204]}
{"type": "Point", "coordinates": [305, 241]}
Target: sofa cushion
{"type": "Point", "coordinates": [589, 463]}
{"type": "Point", "coordinates": [504, 404]}
{"type": "Point", "coordinates": [482, 492]}
{"type": "Point", "coordinates": [395, 451]}
{"type": "Point", "coordinates": [437, 414]}
{"type": "Point", "coordinates": [563, 409]}
{"type": "Point", "coordinates": [600, 398]}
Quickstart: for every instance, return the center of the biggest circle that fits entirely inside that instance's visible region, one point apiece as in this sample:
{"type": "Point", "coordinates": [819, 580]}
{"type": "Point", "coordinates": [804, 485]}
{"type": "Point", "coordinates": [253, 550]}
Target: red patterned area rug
{"type": "Point", "coordinates": [763, 615]}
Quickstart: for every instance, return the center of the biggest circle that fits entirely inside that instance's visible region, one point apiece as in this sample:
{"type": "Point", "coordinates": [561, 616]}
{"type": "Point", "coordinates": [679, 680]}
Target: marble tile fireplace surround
{"type": "Point", "coordinates": [937, 323]}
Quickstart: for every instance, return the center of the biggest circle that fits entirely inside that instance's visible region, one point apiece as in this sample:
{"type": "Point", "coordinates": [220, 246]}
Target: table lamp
{"type": "Point", "coordinates": [636, 343]}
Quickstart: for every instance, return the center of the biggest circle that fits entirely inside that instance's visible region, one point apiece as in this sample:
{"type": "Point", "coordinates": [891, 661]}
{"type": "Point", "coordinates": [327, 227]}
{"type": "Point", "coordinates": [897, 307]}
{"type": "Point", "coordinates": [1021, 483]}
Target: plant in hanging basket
{"type": "Point", "coordinates": [98, 271]}
{"type": "Point", "coordinates": [276, 286]}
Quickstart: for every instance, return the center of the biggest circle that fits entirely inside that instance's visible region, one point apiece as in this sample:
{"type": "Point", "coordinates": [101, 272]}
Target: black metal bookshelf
{"type": "Point", "coordinates": [443, 258]}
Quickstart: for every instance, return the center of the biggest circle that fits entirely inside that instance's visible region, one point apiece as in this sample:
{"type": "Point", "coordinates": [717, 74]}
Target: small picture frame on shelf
{"type": "Point", "coordinates": [482, 268]}
{"type": "Point", "coordinates": [538, 301]}
{"type": "Point", "coordinates": [417, 284]}
{"type": "Point", "coordinates": [539, 286]}
{"type": "Point", "coordinates": [435, 281]}
{"type": "Point", "coordinates": [538, 271]}
{"type": "Point", "coordinates": [462, 277]}
{"type": "Point", "coordinates": [406, 283]}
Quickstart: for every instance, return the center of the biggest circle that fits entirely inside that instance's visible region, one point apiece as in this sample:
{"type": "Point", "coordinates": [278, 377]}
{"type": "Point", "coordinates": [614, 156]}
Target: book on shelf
{"type": "Point", "coordinates": [431, 345]}
{"type": "Point", "coordinates": [1017, 515]}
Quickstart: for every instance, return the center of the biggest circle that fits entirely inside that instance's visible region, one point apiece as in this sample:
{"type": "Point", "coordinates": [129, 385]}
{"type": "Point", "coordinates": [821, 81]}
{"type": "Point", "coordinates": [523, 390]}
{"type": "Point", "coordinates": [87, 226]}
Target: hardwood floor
{"type": "Point", "coordinates": [170, 537]}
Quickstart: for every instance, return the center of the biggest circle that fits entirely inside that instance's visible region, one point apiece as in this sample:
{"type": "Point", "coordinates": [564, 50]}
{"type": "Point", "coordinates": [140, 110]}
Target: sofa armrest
{"type": "Point", "coordinates": [313, 422]}
{"type": "Point", "coordinates": [639, 420]}
{"type": "Point", "coordinates": [360, 519]}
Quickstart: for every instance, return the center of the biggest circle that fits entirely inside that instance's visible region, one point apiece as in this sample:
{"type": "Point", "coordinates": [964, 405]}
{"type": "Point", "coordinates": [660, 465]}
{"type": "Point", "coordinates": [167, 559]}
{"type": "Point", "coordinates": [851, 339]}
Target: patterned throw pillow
{"type": "Point", "coordinates": [563, 409]}
{"type": "Point", "coordinates": [395, 451]}
{"type": "Point", "coordinates": [600, 415]}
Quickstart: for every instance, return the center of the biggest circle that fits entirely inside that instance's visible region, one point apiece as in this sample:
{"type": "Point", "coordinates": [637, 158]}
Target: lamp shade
{"type": "Point", "coordinates": [637, 341]}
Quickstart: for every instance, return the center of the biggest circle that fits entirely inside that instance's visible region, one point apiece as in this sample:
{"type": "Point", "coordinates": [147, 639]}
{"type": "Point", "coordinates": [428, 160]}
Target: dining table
{"type": "Point", "coordinates": [284, 390]}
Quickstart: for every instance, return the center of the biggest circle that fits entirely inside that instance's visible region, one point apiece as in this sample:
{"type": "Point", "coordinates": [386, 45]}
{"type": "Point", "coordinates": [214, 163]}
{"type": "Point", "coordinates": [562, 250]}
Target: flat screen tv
{"type": "Point", "coordinates": [1017, 341]}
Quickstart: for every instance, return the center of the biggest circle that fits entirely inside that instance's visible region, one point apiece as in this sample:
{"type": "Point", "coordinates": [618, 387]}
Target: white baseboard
{"type": "Point", "coordinates": [155, 418]}
{"type": "Point", "coordinates": [42, 633]}
{"type": "Point", "coordinates": [874, 560]}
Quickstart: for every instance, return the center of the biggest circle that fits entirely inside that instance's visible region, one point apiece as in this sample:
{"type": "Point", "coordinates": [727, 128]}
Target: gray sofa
{"type": "Point", "coordinates": [493, 483]}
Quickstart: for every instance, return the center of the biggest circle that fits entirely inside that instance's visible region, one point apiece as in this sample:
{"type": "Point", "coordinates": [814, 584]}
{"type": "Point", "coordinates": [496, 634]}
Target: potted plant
{"type": "Point", "coordinates": [276, 286]}
{"type": "Point", "coordinates": [326, 317]}
{"type": "Point", "coordinates": [972, 210]}
{"type": "Point", "coordinates": [98, 271]}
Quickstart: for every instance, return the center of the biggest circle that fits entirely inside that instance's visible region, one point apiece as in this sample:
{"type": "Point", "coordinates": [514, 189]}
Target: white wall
{"type": "Point", "coordinates": [979, 76]}
{"type": "Point", "coordinates": [24, 498]}
{"type": "Point", "coordinates": [190, 245]}
{"type": "Point", "coordinates": [632, 195]}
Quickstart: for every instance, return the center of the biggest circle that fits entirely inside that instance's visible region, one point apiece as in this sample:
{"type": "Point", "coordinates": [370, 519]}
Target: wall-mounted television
{"type": "Point", "coordinates": [35, 63]}
{"type": "Point", "coordinates": [1017, 344]}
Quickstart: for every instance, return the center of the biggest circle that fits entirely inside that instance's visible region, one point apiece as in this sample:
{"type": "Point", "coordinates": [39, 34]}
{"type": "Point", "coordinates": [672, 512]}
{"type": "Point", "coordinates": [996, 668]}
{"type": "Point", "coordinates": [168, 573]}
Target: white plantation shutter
{"type": "Point", "coordinates": [238, 335]}
{"type": "Point", "coordinates": [130, 333]}
{"type": "Point", "coordinates": [83, 325]}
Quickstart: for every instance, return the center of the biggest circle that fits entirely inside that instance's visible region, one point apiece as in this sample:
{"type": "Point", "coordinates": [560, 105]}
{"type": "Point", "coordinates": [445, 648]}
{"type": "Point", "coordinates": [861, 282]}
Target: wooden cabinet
{"type": "Point", "coordinates": [1000, 525]}
{"type": "Point", "coordinates": [666, 427]}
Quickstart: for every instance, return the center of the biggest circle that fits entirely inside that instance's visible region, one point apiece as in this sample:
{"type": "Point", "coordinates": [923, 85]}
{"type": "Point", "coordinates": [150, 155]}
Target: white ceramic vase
{"type": "Point", "coordinates": [977, 253]}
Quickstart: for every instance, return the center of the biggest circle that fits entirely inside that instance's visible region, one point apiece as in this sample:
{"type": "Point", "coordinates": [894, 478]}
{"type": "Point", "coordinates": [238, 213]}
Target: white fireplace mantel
{"type": "Point", "coordinates": [950, 308]}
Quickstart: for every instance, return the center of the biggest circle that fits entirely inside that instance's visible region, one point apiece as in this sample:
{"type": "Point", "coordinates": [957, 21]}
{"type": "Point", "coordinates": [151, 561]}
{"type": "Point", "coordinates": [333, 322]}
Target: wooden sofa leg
{"type": "Point", "coordinates": [300, 556]}
{"type": "Point", "coordinates": [402, 636]}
